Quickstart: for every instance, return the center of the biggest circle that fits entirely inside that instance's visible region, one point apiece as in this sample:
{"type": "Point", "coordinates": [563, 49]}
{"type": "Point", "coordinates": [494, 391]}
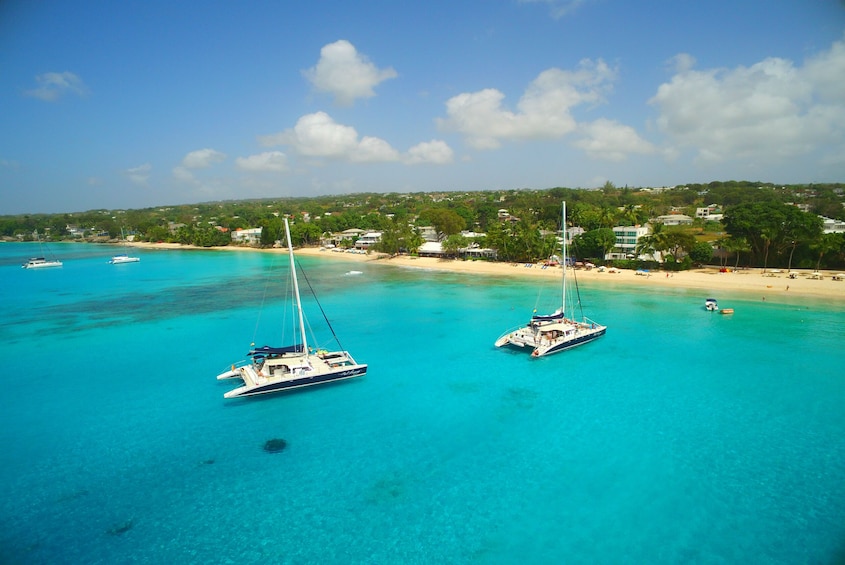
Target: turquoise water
{"type": "Point", "coordinates": [679, 437]}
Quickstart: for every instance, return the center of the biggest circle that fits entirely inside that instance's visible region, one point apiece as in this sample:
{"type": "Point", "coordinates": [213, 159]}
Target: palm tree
{"type": "Point", "coordinates": [827, 242]}
{"type": "Point", "coordinates": [736, 245]}
{"type": "Point", "coordinates": [646, 246]}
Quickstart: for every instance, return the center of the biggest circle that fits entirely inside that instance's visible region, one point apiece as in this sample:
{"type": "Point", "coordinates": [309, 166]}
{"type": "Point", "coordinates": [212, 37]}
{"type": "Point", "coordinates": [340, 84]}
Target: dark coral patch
{"type": "Point", "coordinates": [275, 445]}
{"type": "Point", "coordinates": [121, 529]}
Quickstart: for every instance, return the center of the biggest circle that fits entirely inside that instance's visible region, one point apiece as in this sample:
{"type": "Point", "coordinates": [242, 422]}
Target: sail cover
{"type": "Point", "coordinates": [267, 351]}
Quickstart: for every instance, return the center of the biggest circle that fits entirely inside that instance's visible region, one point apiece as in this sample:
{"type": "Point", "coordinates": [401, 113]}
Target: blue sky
{"type": "Point", "coordinates": [136, 104]}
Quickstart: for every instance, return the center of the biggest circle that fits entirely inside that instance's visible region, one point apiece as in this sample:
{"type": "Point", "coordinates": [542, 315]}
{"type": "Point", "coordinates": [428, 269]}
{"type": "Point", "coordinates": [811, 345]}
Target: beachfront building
{"type": "Point", "coordinates": [428, 233]}
{"type": "Point", "coordinates": [346, 238]}
{"type": "Point", "coordinates": [75, 231]}
{"type": "Point", "coordinates": [471, 251]}
{"type": "Point", "coordinates": [430, 249]}
{"type": "Point", "coordinates": [627, 238]}
{"type": "Point", "coordinates": [251, 236]}
{"type": "Point", "coordinates": [368, 239]}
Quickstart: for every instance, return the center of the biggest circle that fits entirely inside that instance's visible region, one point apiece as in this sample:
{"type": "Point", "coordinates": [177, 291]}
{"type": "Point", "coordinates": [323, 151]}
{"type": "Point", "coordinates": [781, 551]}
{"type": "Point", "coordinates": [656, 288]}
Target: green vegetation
{"type": "Point", "coordinates": [762, 225]}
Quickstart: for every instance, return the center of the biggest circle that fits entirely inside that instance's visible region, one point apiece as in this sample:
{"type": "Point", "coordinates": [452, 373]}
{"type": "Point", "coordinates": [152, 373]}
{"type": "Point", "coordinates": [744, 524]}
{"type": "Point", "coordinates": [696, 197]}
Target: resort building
{"type": "Point", "coordinates": [627, 238]}
{"type": "Point", "coordinates": [346, 238]}
{"type": "Point", "coordinates": [368, 239]}
{"type": "Point", "coordinates": [251, 236]}
{"type": "Point", "coordinates": [428, 233]}
{"type": "Point", "coordinates": [430, 249]}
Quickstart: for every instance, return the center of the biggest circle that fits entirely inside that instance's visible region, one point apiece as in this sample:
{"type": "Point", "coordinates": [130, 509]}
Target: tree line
{"type": "Point", "coordinates": [761, 227]}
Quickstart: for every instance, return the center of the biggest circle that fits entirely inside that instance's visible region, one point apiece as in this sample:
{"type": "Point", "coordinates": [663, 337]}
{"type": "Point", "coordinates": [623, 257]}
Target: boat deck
{"type": "Point", "coordinates": [294, 371]}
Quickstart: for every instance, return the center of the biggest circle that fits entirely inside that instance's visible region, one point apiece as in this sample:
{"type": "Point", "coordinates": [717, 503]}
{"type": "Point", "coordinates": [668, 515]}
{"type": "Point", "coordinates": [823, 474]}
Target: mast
{"type": "Point", "coordinates": [296, 290]}
{"type": "Point", "coordinates": [563, 284]}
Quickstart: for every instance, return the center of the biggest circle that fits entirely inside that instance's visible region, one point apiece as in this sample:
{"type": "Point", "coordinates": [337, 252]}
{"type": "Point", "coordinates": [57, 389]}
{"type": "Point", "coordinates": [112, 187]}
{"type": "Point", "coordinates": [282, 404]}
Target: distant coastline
{"type": "Point", "coordinates": [750, 283]}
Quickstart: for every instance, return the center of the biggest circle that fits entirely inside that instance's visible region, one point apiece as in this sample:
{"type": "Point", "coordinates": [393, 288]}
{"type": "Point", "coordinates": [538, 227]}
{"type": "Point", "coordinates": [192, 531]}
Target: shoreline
{"type": "Point", "coordinates": [750, 283]}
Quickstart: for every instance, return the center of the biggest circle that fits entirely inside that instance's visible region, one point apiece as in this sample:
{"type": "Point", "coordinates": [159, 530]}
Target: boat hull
{"type": "Point", "coordinates": [122, 260]}
{"type": "Point", "coordinates": [278, 385]}
{"type": "Point", "coordinates": [40, 264]}
{"type": "Point", "coordinates": [528, 339]}
{"type": "Point", "coordinates": [569, 344]}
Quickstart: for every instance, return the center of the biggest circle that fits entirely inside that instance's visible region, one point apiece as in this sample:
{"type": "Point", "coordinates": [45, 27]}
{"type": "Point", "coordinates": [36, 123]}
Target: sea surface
{"type": "Point", "coordinates": [680, 437]}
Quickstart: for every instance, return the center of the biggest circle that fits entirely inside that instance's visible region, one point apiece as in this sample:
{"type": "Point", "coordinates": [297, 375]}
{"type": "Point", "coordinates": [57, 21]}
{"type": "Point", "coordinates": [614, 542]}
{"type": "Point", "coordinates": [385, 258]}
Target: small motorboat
{"type": "Point", "coordinates": [711, 304]}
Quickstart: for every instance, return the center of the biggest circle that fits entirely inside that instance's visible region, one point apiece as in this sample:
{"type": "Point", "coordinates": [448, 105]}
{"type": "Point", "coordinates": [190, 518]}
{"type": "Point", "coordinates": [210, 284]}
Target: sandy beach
{"type": "Point", "coordinates": [750, 283]}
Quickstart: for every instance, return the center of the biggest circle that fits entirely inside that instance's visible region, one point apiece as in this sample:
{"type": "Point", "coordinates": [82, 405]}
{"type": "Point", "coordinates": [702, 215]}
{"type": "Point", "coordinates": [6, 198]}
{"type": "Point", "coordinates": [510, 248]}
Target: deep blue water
{"type": "Point", "coordinates": [679, 437]}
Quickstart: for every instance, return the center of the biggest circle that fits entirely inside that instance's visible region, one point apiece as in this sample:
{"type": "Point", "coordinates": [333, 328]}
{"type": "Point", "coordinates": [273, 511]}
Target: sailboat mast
{"type": "Point", "coordinates": [296, 290]}
{"type": "Point", "coordinates": [564, 261]}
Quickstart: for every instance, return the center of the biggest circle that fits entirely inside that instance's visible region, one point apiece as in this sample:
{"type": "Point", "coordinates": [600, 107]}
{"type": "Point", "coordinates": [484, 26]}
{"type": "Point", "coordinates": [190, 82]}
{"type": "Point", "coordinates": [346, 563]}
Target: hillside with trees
{"type": "Point", "coordinates": [763, 225]}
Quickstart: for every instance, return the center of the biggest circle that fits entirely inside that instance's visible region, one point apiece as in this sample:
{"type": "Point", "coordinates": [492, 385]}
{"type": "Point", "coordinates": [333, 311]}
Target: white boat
{"type": "Point", "coordinates": [711, 304]}
{"type": "Point", "coordinates": [41, 262]}
{"type": "Point", "coordinates": [273, 369]}
{"type": "Point", "coordinates": [552, 333]}
{"type": "Point", "coordinates": [122, 258]}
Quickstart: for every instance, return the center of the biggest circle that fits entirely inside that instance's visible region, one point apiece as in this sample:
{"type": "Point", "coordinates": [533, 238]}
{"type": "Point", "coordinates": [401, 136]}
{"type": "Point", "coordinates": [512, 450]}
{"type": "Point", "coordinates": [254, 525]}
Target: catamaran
{"type": "Point", "coordinates": [556, 332]}
{"type": "Point", "coordinates": [41, 262]}
{"type": "Point", "coordinates": [122, 258]}
{"type": "Point", "coordinates": [273, 369]}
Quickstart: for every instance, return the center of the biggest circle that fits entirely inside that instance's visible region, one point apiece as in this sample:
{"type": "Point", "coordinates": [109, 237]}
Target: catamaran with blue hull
{"type": "Point", "coordinates": [556, 332]}
{"type": "Point", "coordinates": [273, 369]}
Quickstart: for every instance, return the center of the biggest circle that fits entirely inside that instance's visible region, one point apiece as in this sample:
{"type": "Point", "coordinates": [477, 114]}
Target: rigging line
{"type": "Point", "coordinates": [261, 306]}
{"type": "Point", "coordinates": [577, 288]}
{"type": "Point", "coordinates": [317, 300]}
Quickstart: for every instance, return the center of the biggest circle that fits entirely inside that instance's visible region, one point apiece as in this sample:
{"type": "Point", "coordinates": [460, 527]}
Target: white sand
{"type": "Point", "coordinates": [752, 282]}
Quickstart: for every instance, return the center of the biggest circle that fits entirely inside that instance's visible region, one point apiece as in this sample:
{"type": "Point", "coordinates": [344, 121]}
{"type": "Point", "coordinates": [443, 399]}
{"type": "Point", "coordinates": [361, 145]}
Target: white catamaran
{"type": "Point", "coordinates": [123, 258]}
{"type": "Point", "coordinates": [41, 262]}
{"type": "Point", "coordinates": [274, 369]}
{"type": "Point", "coordinates": [552, 333]}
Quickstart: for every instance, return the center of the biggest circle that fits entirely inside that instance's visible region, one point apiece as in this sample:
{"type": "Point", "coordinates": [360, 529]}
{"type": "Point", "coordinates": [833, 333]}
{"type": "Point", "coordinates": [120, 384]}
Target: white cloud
{"type": "Point", "coordinates": [681, 63]}
{"type": "Point", "coordinates": [184, 175]}
{"type": "Point", "coordinates": [768, 111]}
{"type": "Point", "coordinates": [52, 86]}
{"type": "Point", "coordinates": [607, 139]}
{"type": "Point", "coordinates": [273, 161]}
{"type": "Point", "coordinates": [318, 135]}
{"type": "Point", "coordinates": [202, 158]}
{"type": "Point", "coordinates": [345, 73]}
{"type": "Point", "coordinates": [435, 152]}
{"type": "Point", "coordinates": [543, 112]}
{"type": "Point", "coordinates": [373, 150]}
{"type": "Point", "coordinates": [139, 174]}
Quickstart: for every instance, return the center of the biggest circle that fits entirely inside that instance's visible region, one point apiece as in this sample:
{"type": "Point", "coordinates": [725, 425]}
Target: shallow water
{"type": "Point", "coordinates": [680, 436]}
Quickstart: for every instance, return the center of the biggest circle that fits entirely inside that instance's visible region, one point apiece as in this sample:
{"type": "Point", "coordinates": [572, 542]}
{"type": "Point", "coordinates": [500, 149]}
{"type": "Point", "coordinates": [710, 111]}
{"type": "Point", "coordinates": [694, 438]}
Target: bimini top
{"type": "Point", "coordinates": [267, 351]}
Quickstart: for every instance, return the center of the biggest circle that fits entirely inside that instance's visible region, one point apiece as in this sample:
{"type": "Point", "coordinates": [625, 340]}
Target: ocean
{"type": "Point", "coordinates": [680, 437]}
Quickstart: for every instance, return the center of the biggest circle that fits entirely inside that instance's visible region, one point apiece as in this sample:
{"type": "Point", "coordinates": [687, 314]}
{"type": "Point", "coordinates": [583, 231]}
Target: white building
{"type": "Point", "coordinates": [368, 239]}
{"type": "Point", "coordinates": [674, 220]}
{"type": "Point", "coordinates": [627, 238]}
{"type": "Point", "coordinates": [430, 249]}
{"type": "Point", "coordinates": [251, 236]}
{"type": "Point", "coordinates": [831, 225]}
{"type": "Point", "coordinates": [711, 213]}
